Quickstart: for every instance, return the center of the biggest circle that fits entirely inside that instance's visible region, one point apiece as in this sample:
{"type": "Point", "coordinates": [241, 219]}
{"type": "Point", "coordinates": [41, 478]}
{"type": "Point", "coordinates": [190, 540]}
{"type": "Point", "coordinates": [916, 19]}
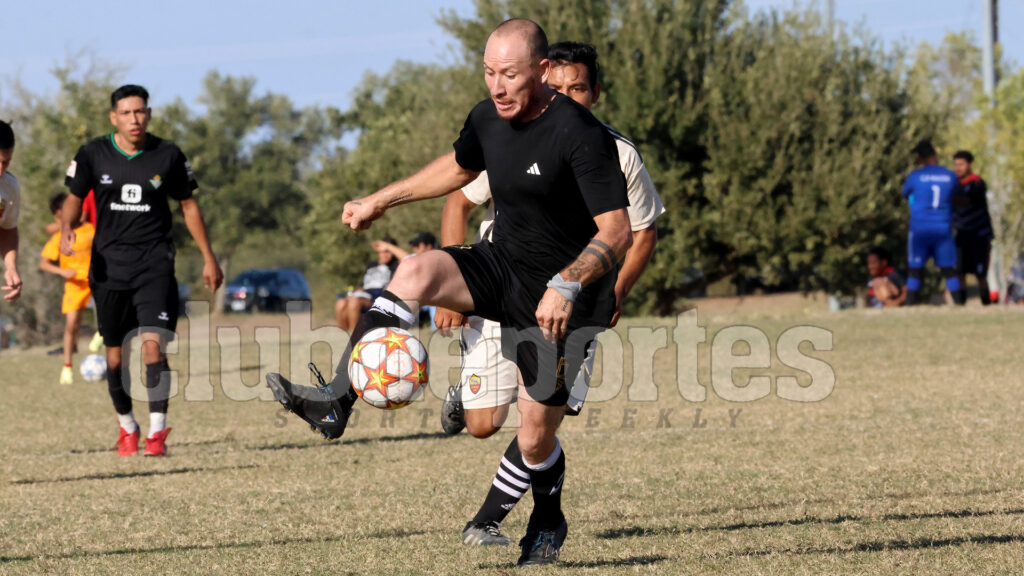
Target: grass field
{"type": "Point", "coordinates": [913, 465]}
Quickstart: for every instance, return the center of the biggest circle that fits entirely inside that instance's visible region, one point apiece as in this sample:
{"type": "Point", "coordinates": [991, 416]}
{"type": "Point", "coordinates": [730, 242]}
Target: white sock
{"type": "Point", "coordinates": [549, 462]}
{"type": "Point", "coordinates": [127, 422]}
{"type": "Point", "coordinates": [157, 422]}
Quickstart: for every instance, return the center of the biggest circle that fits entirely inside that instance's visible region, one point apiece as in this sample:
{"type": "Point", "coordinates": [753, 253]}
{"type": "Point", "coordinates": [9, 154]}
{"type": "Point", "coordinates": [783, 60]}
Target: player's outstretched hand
{"type": "Point", "coordinates": [553, 315]}
{"type": "Point", "coordinates": [67, 241]}
{"type": "Point", "coordinates": [12, 285]}
{"type": "Point", "coordinates": [448, 320]}
{"type": "Point", "coordinates": [360, 213]}
{"type": "Point", "coordinates": [213, 276]}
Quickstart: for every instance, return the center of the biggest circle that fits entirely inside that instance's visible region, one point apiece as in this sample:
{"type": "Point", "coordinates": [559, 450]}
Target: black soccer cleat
{"type": "Point", "coordinates": [453, 415]}
{"type": "Point", "coordinates": [315, 404]}
{"type": "Point", "coordinates": [484, 534]}
{"type": "Point", "coordinates": [542, 546]}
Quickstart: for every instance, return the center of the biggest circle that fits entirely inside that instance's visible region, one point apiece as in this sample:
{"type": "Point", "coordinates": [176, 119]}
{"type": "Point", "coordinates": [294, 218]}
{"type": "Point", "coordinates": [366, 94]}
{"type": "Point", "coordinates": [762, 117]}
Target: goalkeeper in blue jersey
{"type": "Point", "coordinates": [930, 191]}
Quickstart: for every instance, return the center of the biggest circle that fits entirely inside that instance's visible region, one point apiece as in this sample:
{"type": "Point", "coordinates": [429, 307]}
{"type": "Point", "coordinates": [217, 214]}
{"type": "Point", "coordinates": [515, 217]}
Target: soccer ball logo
{"type": "Point", "coordinates": [93, 368]}
{"type": "Point", "coordinates": [388, 368]}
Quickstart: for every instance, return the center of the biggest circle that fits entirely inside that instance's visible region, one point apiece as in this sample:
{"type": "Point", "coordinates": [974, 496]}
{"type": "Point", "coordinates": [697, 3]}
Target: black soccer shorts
{"type": "Point", "coordinates": [509, 295]}
{"type": "Point", "coordinates": [972, 254]}
{"type": "Point", "coordinates": [151, 307]}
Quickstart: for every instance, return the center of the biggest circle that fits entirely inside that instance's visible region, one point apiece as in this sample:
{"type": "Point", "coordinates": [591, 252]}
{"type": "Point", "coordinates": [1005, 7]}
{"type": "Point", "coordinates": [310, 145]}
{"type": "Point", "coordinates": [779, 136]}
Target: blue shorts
{"type": "Point", "coordinates": [937, 244]}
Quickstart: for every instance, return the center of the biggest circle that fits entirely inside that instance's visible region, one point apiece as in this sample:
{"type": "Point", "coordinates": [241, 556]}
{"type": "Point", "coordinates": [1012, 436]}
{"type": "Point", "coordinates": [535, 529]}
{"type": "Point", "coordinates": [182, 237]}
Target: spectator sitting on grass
{"type": "Point", "coordinates": [887, 287]}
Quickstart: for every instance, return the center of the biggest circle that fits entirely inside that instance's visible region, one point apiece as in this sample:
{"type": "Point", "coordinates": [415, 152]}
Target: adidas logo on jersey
{"type": "Point", "coordinates": [534, 170]}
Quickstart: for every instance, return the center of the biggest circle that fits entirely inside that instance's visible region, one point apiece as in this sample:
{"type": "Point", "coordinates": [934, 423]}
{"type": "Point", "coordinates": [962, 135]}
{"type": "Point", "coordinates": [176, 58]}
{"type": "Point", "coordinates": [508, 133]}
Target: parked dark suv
{"type": "Point", "coordinates": [265, 289]}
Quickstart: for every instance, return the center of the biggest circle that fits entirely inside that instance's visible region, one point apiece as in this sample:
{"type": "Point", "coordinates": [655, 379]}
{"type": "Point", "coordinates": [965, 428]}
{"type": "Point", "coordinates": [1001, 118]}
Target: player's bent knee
{"type": "Point", "coordinates": [151, 351]}
{"type": "Point", "coordinates": [412, 278]}
{"type": "Point", "coordinates": [481, 430]}
{"type": "Point", "coordinates": [485, 422]}
{"type": "Point", "coordinates": [482, 425]}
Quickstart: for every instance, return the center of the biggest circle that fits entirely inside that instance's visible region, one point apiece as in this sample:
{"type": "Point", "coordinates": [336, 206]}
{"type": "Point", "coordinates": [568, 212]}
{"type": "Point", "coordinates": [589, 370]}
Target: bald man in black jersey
{"type": "Point", "coordinates": [548, 276]}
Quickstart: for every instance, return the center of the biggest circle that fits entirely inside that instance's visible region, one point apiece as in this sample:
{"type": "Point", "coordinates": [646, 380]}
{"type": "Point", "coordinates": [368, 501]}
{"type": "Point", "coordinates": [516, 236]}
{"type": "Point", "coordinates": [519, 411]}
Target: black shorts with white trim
{"type": "Point", "coordinates": [507, 295]}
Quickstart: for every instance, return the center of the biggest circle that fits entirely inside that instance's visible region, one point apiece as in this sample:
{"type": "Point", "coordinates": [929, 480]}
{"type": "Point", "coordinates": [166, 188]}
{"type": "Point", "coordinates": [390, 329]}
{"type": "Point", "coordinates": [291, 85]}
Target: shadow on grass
{"type": "Point", "coordinates": [641, 531]}
{"type": "Point", "coordinates": [880, 497]}
{"type": "Point", "coordinates": [397, 533]}
{"type": "Point", "coordinates": [110, 449]}
{"type": "Point", "coordinates": [644, 560]}
{"type": "Point", "coordinates": [891, 545]}
{"type": "Point", "coordinates": [353, 442]}
{"type": "Point", "coordinates": [122, 475]}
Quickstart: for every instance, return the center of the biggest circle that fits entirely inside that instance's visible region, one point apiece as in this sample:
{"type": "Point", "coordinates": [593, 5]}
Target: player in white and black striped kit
{"type": "Point", "coordinates": [488, 381]}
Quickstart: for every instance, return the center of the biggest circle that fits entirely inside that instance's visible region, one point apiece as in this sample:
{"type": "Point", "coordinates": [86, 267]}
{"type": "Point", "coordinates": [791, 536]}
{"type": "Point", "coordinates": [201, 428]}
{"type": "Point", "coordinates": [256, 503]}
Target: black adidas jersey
{"type": "Point", "coordinates": [549, 178]}
{"type": "Point", "coordinates": [133, 218]}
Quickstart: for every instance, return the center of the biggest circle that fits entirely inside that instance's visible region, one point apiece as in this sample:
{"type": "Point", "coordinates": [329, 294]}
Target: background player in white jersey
{"type": "Point", "coordinates": [10, 206]}
{"type": "Point", "coordinates": [488, 381]}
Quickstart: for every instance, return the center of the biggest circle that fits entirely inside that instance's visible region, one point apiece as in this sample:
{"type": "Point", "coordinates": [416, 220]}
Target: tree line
{"type": "Point", "coordinates": [778, 146]}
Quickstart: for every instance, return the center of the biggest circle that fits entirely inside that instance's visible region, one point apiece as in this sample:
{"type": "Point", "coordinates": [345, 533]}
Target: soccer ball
{"type": "Point", "coordinates": [93, 368]}
{"type": "Point", "coordinates": [388, 368]}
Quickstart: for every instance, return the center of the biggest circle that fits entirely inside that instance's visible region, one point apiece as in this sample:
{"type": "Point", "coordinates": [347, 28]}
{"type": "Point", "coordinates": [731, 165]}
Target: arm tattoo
{"type": "Point", "coordinates": [601, 258]}
{"type": "Point", "coordinates": [399, 199]}
{"type": "Point", "coordinates": [597, 256]}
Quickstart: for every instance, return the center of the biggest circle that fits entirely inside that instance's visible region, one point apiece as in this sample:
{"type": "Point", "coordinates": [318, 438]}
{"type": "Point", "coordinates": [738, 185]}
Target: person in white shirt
{"type": "Point", "coordinates": [10, 207]}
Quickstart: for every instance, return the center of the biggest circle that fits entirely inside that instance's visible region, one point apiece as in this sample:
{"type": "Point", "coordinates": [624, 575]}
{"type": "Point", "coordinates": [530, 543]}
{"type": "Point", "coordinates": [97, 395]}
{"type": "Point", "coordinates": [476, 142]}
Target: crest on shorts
{"type": "Point", "coordinates": [474, 383]}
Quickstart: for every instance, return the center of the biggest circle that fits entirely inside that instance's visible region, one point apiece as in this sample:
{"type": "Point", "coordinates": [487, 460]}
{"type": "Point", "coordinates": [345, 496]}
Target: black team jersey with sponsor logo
{"type": "Point", "coordinates": [133, 225]}
{"type": "Point", "coordinates": [549, 178]}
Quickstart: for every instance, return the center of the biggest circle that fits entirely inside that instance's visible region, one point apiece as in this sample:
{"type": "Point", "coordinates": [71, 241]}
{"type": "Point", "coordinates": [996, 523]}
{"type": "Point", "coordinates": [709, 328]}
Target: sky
{"type": "Point", "coordinates": [317, 51]}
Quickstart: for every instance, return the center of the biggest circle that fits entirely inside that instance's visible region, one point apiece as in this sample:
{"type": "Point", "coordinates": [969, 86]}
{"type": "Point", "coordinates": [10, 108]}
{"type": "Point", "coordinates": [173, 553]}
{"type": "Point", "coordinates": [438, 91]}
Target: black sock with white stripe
{"type": "Point", "coordinates": [388, 311]}
{"type": "Point", "coordinates": [547, 478]}
{"type": "Point", "coordinates": [508, 487]}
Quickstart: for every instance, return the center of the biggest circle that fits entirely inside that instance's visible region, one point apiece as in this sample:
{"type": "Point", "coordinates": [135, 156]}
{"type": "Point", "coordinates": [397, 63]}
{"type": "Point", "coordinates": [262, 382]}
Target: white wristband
{"type": "Point", "coordinates": [568, 290]}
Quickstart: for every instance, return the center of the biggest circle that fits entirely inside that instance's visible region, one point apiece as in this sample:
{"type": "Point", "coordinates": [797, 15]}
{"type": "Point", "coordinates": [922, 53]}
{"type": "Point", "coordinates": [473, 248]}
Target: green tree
{"type": "Point", "coordinates": [808, 142]}
{"type": "Point", "coordinates": [252, 155]}
{"type": "Point", "coordinates": [403, 120]}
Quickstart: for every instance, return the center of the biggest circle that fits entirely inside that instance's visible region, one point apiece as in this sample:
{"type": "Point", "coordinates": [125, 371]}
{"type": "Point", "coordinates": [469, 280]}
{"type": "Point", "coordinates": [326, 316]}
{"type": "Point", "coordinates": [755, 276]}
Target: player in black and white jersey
{"type": "Point", "coordinates": [548, 276]}
{"type": "Point", "coordinates": [132, 278]}
{"type": "Point", "coordinates": [488, 381]}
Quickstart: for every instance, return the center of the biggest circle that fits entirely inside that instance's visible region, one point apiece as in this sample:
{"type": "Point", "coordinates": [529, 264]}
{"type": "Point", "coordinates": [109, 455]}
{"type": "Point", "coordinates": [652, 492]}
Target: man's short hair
{"type": "Point", "coordinates": [576, 53]}
{"type": "Point", "coordinates": [964, 155]}
{"type": "Point", "coordinates": [532, 32]}
{"type": "Point", "coordinates": [127, 91]}
{"type": "Point", "coordinates": [924, 149]}
{"type": "Point", "coordinates": [57, 201]}
{"type": "Point", "coordinates": [423, 238]}
{"type": "Point", "coordinates": [6, 135]}
{"type": "Point", "coordinates": [880, 253]}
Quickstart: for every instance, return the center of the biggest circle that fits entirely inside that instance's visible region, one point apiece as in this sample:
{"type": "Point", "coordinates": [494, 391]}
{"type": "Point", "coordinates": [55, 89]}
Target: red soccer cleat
{"type": "Point", "coordinates": [127, 444]}
{"type": "Point", "coordinates": [155, 445]}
